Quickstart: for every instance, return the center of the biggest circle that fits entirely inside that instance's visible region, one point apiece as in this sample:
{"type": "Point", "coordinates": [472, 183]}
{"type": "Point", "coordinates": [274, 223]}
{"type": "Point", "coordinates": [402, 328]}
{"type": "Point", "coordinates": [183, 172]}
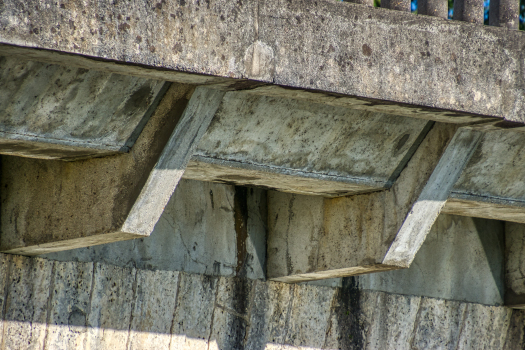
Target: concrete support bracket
{"type": "Point", "coordinates": [432, 199]}
{"type": "Point", "coordinates": [169, 169]}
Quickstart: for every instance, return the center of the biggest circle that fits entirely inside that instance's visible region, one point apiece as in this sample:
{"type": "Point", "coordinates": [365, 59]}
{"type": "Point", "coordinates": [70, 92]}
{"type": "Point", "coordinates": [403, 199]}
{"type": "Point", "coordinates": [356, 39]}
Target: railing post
{"type": "Point", "coordinates": [435, 8]}
{"type": "Point", "coordinates": [399, 5]}
{"type": "Point", "coordinates": [362, 2]}
{"type": "Point", "coordinates": [469, 11]}
{"type": "Point", "coordinates": [504, 13]}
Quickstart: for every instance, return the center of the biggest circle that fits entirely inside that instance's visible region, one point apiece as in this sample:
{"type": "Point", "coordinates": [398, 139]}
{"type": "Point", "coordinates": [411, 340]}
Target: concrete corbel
{"type": "Point", "coordinates": [53, 205]}
{"type": "Point", "coordinates": [312, 238]}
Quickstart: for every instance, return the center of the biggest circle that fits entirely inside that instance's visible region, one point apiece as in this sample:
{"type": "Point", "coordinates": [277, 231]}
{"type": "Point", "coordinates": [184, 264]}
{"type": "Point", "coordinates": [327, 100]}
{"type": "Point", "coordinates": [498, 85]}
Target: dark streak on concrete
{"type": "Point", "coordinates": [348, 315]}
{"type": "Point", "coordinates": [241, 227]}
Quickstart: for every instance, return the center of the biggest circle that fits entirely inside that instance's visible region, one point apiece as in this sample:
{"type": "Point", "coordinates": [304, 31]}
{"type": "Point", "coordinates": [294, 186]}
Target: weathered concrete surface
{"type": "Point", "coordinates": [462, 259]}
{"type": "Point", "coordinates": [54, 112]}
{"type": "Point", "coordinates": [197, 233]}
{"type": "Point", "coordinates": [172, 162]}
{"type": "Point", "coordinates": [53, 205]}
{"type": "Point", "coordinates": [492, 184]}
{"type": "Point", "coordinates": [432, 199]}
{"type": "Point", "coordinates": [93, 306]}
{"type": "Point", "coordinates": [514, 265]}
{"type": "Point", "coordinates": [313, 238]}
{"type": "Point", "coordinates": [336, 47]}
{"type": "Point", "coordinates": [300, 147]}
{"type": "Point", "coordinates": [505, 13]}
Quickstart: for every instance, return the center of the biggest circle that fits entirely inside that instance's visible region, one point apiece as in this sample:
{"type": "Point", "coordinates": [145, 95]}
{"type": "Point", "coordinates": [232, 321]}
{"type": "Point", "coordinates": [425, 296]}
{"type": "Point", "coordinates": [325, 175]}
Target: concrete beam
{"type": "Point", "coordinates": [52, 205]}
{"type": "Point", "coordinates": [316, 238]}
{"type": "Point", "coordinates": [432, 199]}
{"type": "Point", "coordinates": [172, 162]}
{"type": "Point", "coordinates": [492, 186]}
{"type": "Point", "coordinates": [303, 147]}
{"type": "Point", "coordinates": [401, 63]}
{"type": "Point", "coordinates": [54, 112]}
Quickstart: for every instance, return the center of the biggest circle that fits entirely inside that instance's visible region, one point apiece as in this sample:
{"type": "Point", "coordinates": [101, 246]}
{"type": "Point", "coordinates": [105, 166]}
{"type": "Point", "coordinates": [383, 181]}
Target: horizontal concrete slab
{"type": "Point", "coordinates": [417, 64]}
{"type": "Point", "coordinates": [310, 237]}
{"type": "Point", "coordinates": [493, 182]}
{"type": "Point", "coordinates": [55, 112]}
{"type": "Point", "coordinates": [303, 147]}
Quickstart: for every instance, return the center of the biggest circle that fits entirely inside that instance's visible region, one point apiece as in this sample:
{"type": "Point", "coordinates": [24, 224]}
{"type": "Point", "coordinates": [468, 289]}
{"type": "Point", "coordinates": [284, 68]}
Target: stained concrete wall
{"type": "Point", "coordinates": [461, 259]}
{"type": "Point", "coordinates": [312, 237]}
{"type": "Point", "coordinates": [74, 305]}
{"type": "Point", "coordinates": [206, 228]}
{"type": "Point", "coordinates": [50, 205]}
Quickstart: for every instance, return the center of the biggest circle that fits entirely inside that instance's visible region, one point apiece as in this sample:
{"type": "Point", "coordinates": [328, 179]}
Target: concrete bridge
{"type": "Point", "coordinates": [261, 174]}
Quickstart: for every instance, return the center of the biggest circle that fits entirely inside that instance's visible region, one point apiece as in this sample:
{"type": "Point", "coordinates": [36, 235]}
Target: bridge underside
{"type": "Point", "coordinates": [327, 139]}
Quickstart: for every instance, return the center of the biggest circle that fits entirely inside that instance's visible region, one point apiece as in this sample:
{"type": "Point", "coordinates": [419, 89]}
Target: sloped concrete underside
{"type": "Point", "coordinates": [90, 306]}
{"type": "Point", "coordinates": [54, 112]}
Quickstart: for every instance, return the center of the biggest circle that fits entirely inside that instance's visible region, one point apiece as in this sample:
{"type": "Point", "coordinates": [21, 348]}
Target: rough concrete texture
{"type": "Point", "coordinates": [172, 161]}
{"type": "Point", "coordinates": [311, 237]}
{"type": "Point", "coordinates": [199, 232]}
{"type": "Point", "coordinates": [505, 13]}
{"type": "Point", "coordinates": [432, 199]}
{"type": "Point", "coordinates": [53, 205]}
{"type": "Point", "coordinates": [49, 111]}
{"type": "Point", "coordinates": [92, 306]}
{"type": "Point", "coordinates": [462, 259]}
{"type": "Point", "coordinates": [350, 151]}
{"type": "Point", "coordinates": [327, 45]}
{"type": "Point", "coordinates": [492, 184]}
{"type": "Point", "coordinates": [514, 265]}
{"type": "Point", "coordinates": [469, 11]}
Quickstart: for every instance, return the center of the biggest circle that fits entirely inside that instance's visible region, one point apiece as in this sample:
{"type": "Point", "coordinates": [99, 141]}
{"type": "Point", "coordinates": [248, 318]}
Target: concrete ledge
{"type": "Point", "coordinates": [492, 184]}
{"type": "Point", "coordinates": [51, 205]}
{"type": "Point", "coordinates": [54, 112]}
{"type": "Point", "coordinates": [412, 62]}
{"type": "Point", "coordinates": [304, 147]}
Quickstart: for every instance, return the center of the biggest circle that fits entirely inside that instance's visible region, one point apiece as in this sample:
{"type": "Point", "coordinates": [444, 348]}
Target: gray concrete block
{"type": "Point", "coordinates": [461, 259]}
{"type": "Point", "coordinates": [5, 261]}
{"type": "Point", "coordinates": [515, 331]}
{"type": "Point", "coordinates": [514, 265]}
{"type": "Point", "coordinates": [231, 313]}
{"type": "Point", "coordinates": [376, 54]}
{"type": "Point", "coordinates": [309, 315]}
{"type": "Point", "coordinates": [269, 314]}
{"type": "Point", "coordinates": [54, 112]}
{"type": "Point", "coordinates": [153, 309]}
{"type": "Point", "coordinates": [26, 311]}
{"type": "Point", "coordinates": [303, 147]}
{"type": "Point", "coordinates": [192, 324]}
{"type": "Point", "coordinates": [110, 310]}
{"type": "Point", "coordinates": [489, 319]}
{"type": "Point", "coordinates": [69, 306]}
{"type": "Point", "coordinates": [379, 307]}
{"type": "Point", "coordinates": [182, 311]}
{"type": "Point", "coordinates": [438, 324]}
{"type": "Point", "coordinates": [196, 234]}
{"type": "Point", "coordinates": [83, 203]}
{"type": "Point", "coordinates": [328, 238]}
